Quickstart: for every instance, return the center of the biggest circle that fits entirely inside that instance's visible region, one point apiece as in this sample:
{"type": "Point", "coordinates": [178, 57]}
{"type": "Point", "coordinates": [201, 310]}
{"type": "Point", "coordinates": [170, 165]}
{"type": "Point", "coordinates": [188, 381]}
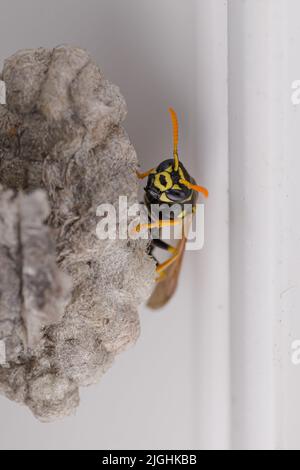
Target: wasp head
{"type": "Point", "coordinates": [170, 182]}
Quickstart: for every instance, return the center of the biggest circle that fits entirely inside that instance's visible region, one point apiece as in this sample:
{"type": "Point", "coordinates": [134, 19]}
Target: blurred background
{"type": "Point", "coordinates": [212, 370]}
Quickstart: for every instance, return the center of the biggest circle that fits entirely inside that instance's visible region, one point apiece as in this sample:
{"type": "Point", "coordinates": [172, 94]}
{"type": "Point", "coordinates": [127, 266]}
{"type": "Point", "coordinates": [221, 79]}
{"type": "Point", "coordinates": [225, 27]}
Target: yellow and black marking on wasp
{"type": "Point", "coordinates": [171, 185]}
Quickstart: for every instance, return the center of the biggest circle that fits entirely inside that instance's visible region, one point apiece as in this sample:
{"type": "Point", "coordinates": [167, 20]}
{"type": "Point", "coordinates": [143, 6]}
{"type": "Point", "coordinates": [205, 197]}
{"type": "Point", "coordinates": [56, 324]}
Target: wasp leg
{"type": "Point", "coordinates": [157, 224]}
{"type": "Point", "coordinates": [161, 267]}
{"type": "Point", "coordinates": [161, 276]}
{"type": "Point", "coordinates": [164, 246]}
{"type": "Point", "coordinates": [141, 176]}
{"type": "Point", "coordinates": [150, 252]}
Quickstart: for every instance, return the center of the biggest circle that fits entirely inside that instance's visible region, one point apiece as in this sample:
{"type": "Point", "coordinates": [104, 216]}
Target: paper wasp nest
{"type": "Point", "coordinates": [68, 301]}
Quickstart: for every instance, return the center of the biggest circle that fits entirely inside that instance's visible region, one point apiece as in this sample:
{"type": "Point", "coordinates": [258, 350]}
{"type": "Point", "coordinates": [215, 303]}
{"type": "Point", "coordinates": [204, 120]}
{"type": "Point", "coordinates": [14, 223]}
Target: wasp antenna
{"type": "Point", "coordinates": [175, 138]}
{"type": "Point", "coordinates": [195, 187]}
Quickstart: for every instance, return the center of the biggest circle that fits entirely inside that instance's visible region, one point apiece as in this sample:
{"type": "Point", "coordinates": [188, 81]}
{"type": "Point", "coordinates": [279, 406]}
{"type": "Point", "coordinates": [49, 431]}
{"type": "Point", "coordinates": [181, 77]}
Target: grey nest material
{"type": "Point", "coordinates": [68, 301]}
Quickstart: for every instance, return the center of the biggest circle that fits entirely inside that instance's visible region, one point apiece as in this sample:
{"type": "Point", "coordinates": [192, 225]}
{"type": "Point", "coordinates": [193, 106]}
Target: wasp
{"type": "Point", "coordinates": [169, 185]}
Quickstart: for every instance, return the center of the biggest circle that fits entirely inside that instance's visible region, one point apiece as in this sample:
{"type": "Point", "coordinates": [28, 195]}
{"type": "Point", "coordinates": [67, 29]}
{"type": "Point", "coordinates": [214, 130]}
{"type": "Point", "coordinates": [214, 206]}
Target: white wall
{"type": "Point", "coordinates": [251, 237]}
{"type": "Point", "coordinates": [264, 38]}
